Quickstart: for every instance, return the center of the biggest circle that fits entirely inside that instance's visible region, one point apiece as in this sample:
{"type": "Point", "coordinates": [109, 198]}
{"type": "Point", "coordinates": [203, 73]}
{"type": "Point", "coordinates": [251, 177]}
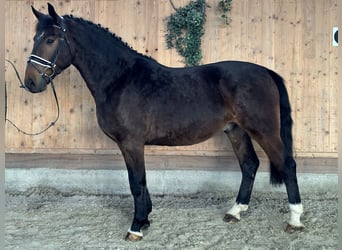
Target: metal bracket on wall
{"type": "Point", "coordinates": [335, 36]}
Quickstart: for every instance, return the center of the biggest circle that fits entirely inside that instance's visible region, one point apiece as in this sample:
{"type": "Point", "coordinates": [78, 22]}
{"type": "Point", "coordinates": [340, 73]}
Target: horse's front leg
{"type": "Point", "coordinates": [133, 154]}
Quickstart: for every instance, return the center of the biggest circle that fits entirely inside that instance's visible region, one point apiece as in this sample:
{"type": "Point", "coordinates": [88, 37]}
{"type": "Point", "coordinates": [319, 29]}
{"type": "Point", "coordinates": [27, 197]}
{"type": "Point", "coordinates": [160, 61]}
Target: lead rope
{"type": "Point", "coordinates": [22, 85]}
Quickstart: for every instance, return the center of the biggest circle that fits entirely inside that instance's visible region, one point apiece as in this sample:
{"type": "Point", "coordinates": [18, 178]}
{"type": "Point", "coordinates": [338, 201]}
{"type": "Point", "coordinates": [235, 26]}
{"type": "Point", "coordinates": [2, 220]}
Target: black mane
{"type": "Point", "coordinates": [103, 31]}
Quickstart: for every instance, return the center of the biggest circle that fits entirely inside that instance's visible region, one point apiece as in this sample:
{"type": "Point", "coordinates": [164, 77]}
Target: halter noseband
{"type": "Point", "coordinates": [37, 60]}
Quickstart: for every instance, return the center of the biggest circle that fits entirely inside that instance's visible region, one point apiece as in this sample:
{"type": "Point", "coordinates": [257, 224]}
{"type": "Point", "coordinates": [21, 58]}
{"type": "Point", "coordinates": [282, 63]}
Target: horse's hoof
{"type": "Point", "coordinates": [291, 229]}
{"type": "Point", "coordinates": [230, 219]}
{"type": "Point", "coordinates": [132, 237]}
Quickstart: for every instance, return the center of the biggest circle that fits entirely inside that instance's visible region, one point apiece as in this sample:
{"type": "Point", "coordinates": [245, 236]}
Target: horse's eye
{"type": "Point", "coordinates": [49, 41]}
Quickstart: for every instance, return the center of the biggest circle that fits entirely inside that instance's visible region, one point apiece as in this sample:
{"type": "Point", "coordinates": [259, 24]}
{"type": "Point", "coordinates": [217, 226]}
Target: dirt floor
{"type": "Point", "coordinates": [44, 218]}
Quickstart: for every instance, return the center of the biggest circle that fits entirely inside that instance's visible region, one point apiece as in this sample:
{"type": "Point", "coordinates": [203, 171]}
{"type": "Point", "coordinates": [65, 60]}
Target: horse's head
{"type": "Point", "coordinates": [51, 52]}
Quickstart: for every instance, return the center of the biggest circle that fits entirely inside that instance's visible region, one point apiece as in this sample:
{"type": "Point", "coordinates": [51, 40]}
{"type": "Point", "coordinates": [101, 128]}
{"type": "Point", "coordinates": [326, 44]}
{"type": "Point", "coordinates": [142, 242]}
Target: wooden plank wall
{"type": "Point", "coordinates": [291, 37]}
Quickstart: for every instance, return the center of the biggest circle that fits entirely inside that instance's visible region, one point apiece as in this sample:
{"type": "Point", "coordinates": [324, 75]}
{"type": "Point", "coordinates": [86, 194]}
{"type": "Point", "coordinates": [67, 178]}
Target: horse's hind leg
{"type": "Point", "coordinates": [249, 164]}
{"type": "Point", "coordinates": [283, 169]}
{"type": "Point", "coordinates": [296, 207]}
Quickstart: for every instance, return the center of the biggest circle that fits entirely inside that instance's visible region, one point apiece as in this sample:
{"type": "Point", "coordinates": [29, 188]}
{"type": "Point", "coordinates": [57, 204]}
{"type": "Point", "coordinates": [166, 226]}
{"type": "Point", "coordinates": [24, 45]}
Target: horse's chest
{"type": "Point", "coordinates": [109, 123]}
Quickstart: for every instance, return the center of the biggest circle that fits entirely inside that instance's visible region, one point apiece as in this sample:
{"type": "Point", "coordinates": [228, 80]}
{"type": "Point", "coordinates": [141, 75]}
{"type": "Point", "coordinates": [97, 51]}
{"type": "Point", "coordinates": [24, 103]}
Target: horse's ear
{"type": "Point", "coordinates": [53, 14]}
{"type": "Point", "coordinates": [36, 13]}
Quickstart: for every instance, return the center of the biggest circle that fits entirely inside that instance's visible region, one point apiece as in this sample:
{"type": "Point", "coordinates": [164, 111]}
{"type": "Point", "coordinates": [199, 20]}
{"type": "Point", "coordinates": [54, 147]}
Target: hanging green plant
{"type": "Point", "coordinates": [225, 6]}
{"type": "Point", "coordinates": [185, 28]}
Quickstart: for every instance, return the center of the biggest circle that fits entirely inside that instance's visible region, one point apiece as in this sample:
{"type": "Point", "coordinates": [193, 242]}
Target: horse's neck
{"type": "Point", "coordinates": [100, 59]}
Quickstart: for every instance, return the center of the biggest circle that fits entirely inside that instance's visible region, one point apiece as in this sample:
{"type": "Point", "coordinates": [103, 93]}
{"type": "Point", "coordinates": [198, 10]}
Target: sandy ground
{"type": "Point", "coordinates": [44, 218]}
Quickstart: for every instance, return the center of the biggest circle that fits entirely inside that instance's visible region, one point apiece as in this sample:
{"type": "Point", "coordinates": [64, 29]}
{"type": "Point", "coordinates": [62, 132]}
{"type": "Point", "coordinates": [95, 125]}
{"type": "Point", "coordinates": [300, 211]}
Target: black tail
{"type": "Point", "coordinates": [285, 126]}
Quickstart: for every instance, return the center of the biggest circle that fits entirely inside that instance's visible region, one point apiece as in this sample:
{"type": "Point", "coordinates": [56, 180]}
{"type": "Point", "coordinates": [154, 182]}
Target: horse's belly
{"type": "Point", "coordinates": [172, 140]}
{"type": "Point", "coordinates": [193, 133]}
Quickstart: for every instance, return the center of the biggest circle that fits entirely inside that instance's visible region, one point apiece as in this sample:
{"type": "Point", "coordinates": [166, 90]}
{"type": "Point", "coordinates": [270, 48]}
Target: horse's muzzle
{"type": "Point", "coordinates": [33, 87]}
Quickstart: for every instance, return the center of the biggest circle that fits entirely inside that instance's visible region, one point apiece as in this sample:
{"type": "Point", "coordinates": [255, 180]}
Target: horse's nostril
{"type": "Point", "coordinates": [31, 83]}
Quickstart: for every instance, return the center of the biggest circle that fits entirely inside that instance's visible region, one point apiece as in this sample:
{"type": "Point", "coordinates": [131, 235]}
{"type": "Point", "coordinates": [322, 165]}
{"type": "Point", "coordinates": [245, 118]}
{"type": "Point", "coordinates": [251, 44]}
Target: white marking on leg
{"type": "Point", "coordinates": [140, 234]}
{"type": "Point", "coordinates": [236, 209]}
{"type": "Point", "coordinates": [296, 212]}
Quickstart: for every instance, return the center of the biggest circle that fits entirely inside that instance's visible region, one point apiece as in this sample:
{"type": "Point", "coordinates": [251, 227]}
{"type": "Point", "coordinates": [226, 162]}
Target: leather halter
{"type": "Point", "coordinates": [35, 60]}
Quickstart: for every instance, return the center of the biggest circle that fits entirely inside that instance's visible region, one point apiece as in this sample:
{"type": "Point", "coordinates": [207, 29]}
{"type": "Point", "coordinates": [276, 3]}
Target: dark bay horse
{"type": "Point", "coordinates": [141, 102]}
